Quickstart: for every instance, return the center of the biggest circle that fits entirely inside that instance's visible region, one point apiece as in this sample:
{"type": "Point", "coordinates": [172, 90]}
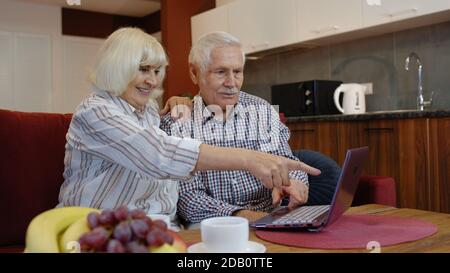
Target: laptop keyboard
{"type": "Point", "coordinates": [302, 215]}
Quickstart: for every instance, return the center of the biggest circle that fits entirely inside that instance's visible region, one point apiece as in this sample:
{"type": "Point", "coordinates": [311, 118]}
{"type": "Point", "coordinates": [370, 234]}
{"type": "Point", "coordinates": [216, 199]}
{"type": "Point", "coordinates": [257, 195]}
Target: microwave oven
{"type": "Point", "coordinates": [305, 98]}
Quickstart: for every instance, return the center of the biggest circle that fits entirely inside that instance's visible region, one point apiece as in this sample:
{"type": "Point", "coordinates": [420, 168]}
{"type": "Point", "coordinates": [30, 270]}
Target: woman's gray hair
{"type": "Point", "coordinates": [119, 58]}
{"type": "Point", "coordinates": [200, 54]}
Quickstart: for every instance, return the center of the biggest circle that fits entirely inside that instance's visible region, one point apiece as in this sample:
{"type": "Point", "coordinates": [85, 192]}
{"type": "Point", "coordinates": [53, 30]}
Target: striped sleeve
{"type": "Point", "coordinates": [112, 135]}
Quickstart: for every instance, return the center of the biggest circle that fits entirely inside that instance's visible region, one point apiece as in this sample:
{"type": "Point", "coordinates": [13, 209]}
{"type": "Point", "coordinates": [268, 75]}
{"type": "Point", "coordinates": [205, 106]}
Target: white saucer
{"type": "Point", "coordinates": [252, 247]}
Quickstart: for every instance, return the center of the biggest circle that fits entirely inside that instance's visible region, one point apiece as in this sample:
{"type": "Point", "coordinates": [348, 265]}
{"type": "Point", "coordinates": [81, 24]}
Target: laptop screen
{"type": "Point", "coordinates": [317, 217]}
{"type": "Point", "coordinates": [348, 182]}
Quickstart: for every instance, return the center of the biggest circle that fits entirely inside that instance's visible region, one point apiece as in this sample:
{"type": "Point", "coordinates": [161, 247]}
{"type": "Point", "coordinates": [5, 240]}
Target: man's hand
{"type": "Point", "coordinates": [250, 214]}
{"type": "Point", "coordinates": [297, 192]}
{"type": "Point", "coordinates": [179, 107]}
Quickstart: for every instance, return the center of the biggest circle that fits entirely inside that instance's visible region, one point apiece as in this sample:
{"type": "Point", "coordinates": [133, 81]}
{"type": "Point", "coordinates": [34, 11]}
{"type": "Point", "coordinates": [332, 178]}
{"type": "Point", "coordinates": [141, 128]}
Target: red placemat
{"type": "Point", "coordinates": [355, 231]}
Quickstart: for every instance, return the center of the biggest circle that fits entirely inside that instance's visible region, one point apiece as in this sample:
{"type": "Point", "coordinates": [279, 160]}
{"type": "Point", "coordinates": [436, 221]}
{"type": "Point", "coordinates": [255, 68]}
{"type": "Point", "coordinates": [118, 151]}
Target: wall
{"type": "Point", "coordinates": [29, 44]}
{"type": "Point", "coordinates": [44, 71]}
{"type": "Point", "coordinates": [100, 25]}
{"type": "Point", "coordinates": [223, 2]}
{"type": "Point", "coordinates": [40, 69]}
{"type": "Point", "coordinates": [377, 59]}
{"type": "Point", "coordinates": [176, 37]}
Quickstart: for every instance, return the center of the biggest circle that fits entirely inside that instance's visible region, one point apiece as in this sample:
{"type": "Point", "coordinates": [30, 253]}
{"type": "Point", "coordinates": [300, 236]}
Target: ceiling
{"type": "Point", "coordinates": [136, 8]}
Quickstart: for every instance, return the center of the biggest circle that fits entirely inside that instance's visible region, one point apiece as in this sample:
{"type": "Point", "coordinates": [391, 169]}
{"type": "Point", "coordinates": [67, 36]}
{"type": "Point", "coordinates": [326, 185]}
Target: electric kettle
{"type": "Point", "coordinates": [354, 98]}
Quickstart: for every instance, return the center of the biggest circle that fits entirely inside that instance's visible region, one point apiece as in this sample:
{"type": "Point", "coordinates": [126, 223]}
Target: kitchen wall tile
{"type": "Point", "coordinates": [367, 60]}
{"type": "Point", "coordinates": [261, 71]}
{"type": "Point", "coordinates": [260, 75]}
{"type": "Point", "coordinates": [442, 32]}
{"type": "Point", "coordinates": [441, 97]}
{"type": "Point", "coordinates": [301, 65]}
{"type": "Point", "coordinates": [260, 90]}
{"type": "Point", "coordinates": [439, 82]}
{"type": "Point", "coordinates": [420, 41]}
{"type": "Point", "coordinates": [381, 102]}
{"type": "Point", "coordinates": [432, 45]}
{"type": "Point", "coordinates": [378, 59]}
{"type": "Point", "coordinates": [406, 101]}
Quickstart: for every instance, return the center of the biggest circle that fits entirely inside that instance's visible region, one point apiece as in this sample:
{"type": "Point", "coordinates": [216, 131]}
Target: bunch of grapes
{"type": "Point", "coordinates": [122, 230]}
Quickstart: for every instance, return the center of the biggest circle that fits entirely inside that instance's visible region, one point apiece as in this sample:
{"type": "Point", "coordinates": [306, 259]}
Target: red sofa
{"type": "Point", "coordinates": [31, 168]}
{"type": "Point", "coordinates": [32, 164]}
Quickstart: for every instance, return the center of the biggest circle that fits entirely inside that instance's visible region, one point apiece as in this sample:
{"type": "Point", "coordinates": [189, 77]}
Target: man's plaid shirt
{"type": "Point", "coordinates": [252, 124]}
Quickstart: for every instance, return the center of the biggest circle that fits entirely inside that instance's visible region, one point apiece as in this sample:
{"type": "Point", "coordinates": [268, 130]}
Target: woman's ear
{"type": "Point", "coordinates": [193, 73]}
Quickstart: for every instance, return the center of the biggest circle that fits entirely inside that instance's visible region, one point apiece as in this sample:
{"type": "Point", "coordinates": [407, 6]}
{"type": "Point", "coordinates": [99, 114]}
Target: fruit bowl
{"type": "Point", "coordinates": [79, 229]}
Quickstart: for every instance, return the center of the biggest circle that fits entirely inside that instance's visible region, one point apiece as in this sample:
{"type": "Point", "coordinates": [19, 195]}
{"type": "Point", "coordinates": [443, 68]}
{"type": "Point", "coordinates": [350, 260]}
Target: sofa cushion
{"type": "Point", "coordinates": [377, 190]}
{"type": "Point", "coordinates": [321, 187]}
{"type": "Point", "coordinates": [31, 168]}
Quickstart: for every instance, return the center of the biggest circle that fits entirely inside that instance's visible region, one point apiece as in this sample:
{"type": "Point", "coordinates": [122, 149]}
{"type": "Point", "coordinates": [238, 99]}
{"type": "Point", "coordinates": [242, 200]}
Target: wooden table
{"type": "Point", "coordinates": [439, 242]}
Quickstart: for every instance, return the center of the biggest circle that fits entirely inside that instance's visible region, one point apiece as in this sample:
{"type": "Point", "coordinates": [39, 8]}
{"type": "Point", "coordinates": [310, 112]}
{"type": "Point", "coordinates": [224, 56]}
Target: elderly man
{"type": "Point", "coordinates": [227, 117]}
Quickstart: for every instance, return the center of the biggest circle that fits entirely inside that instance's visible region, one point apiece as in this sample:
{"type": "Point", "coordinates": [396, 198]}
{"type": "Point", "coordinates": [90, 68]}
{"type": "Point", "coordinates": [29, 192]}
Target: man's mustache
{"type": "Point", "coordinates": [230, 91]}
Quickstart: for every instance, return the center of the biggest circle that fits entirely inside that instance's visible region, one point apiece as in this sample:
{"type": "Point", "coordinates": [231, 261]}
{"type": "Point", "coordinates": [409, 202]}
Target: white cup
{"type": "Point", "coordinates": [225, 234]}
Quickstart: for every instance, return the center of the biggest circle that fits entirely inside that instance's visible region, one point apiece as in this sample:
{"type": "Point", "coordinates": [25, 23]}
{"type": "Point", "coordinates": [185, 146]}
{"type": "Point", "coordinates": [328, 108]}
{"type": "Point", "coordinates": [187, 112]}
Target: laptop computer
{"type": "Point", "coordinates": [316, 217]}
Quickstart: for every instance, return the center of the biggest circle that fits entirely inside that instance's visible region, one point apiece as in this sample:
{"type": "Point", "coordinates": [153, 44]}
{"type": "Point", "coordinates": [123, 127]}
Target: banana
{"type": "Point", "coordinates": [165, 248]}
{"type": "Point", "coordinates": [72, 234]}
{"type": "Point", "coordinates": [44, 230]}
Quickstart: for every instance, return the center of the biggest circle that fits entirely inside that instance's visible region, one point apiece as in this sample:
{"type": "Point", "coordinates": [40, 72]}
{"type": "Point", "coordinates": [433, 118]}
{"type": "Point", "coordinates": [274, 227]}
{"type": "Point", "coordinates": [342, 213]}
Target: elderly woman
{"type": "Point", "coordinates": [117, 155]}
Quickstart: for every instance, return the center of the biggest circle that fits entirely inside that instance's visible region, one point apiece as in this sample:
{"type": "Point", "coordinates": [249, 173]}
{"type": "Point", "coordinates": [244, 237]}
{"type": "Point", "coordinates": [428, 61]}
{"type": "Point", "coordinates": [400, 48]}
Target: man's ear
{"type": "Point", "coordinates": [194, 74]}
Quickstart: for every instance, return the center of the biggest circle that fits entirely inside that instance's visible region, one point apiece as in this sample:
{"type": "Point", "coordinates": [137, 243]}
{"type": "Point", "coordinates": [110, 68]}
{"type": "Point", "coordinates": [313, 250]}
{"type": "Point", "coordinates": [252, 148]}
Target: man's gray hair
{"type": "Point", "coordinates": [200, 54]}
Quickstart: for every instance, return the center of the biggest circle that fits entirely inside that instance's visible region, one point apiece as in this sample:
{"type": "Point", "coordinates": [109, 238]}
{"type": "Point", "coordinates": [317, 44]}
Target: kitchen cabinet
{"type": "Point", "coordinates": [212, 20]}
{"type": "Point", "coordinates": [440, 164]}
{"type": "Point", "coordinates": [388, 11]}
{"type": "Point", "coordinates": [334, 138]}
{"type": "Point", "coordinates": [380, 136]}
{"type": "Point", "coordinates": [258, 24]}
{"type": "Point", "coordinates": [262, 24]}
{"type": "Point", "coordinates": [414, 151]}
{"type": "Point", "coordinates": [314, 136]}
{"type": "Point", "coordinates": [413, 186]}
{"type": "Point", "coordinates": [320, 18]}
